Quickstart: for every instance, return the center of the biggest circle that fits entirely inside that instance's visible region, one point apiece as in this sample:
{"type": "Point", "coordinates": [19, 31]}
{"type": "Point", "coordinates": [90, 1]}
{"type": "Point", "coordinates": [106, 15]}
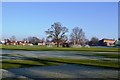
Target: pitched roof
{"type": "Point", "coordinates": [108, 39]}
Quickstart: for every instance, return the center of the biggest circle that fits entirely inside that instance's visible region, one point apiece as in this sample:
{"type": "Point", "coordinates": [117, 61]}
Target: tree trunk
{"type": "Point", "coordinates": [57, 43]}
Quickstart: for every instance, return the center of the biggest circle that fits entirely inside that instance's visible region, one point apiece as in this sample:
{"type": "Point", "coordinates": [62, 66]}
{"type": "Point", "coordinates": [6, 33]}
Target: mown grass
{"type": "Point", "coordinates": [98, 63]}
{"type": "Point", "coordinates": [7, 64]}
{"type": "Point", "coordinates": [105, 54]}
{"type": "Point", "coordinates": [109, 55]}
{"type": "Point", "coordinates": [0, 46]}
{"type": "Point", "coordinates": [45, 48]}
{"type": "Point", "coordinates": [29, 62]}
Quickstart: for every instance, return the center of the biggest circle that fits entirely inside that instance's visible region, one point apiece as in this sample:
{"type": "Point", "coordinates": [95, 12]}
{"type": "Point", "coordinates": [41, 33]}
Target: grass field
{"type": "Point", "coordinates": [44, 48]}
{"type": "Point", "coordinates": [30, 61]}
{"type": "Point", "coordinates": [6, 64]}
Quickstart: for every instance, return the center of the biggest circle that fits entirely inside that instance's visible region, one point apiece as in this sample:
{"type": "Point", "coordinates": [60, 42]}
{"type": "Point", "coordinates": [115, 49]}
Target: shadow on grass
{"type": "Point", "coordinates": [29, 62]}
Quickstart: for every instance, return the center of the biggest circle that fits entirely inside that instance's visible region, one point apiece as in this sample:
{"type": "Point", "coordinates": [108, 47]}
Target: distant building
{"type": "Point", "coordinates": [107, 42]}
{"type": "Point", "coordinates": [41, 43]}
{"type": "Point", "coordinates": [7, 41]}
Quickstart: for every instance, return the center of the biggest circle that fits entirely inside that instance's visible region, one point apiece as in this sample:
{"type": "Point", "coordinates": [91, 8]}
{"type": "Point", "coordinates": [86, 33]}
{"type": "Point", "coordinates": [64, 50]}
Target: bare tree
{"type": "Point", "coordinates": [77, 36]}
{"type": "Point", "coordinates": [43, 40]}
{"type": "Point", "coordinates": [25, 39]}
{"type": "Point", "coordinates": [34, 40]}
{"type": "Point", "coordinates": [12, 38]}
{"type": "Point", "coordinates": [57, 32]}
{"type": "Point", "coordinates": [94, 41]}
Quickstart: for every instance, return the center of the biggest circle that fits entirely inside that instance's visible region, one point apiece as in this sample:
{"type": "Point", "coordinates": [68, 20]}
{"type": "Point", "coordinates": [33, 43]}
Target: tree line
{"type": "Point", "coordinates": [57, 33]}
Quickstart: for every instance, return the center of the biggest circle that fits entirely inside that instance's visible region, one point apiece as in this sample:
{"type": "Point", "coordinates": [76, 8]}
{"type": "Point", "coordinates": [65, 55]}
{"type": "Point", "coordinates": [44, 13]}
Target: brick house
{"type": "Point", "coordinates": [107, 42]}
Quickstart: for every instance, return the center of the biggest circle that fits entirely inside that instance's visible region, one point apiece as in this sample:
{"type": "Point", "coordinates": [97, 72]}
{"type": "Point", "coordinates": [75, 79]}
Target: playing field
{"type": "Point", "coordinates": [37, 59]}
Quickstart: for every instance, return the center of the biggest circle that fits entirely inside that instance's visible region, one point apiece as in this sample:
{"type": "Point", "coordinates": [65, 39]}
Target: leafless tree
{"type": "Point", "coordinates": [94, 41]}
{"type": "Point", "coordinates": [25, 39]}
{"type": "Point", "coordinates": [77, 36]}
{"type": "Point", "coordinates": [12, 38]}
{"type": "Point", "coordinates": [57, 32]}
{"type": "Point", "coordinates": [34, 40]}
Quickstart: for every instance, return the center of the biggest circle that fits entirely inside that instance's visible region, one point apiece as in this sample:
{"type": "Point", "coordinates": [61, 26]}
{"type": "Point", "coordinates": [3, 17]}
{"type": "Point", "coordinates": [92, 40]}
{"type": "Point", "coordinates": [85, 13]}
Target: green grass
{"type": "Point", "coordinates": [44, 48]}
{"type": "Point", "coordinates": [29, 62]}
{"type": "Point", "coordinates": [0, 46]}
{"type": "Point", "coordinates": [18, 63]}
{"type": "Point", "coordinates": [99, 63]}
{"type": "Point", "coordinates": [7, 64]}
{"type": "Point", "coordinates": [107, 55]}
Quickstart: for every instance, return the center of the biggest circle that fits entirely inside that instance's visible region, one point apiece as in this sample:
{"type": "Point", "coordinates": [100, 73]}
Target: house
{"type": "Point", "coordinates": [107, 42]}
{"type": "Point", "coordinates": [53, 42]}
{"type": "Point", "coordinates": [41, 43]}
{"type": "Point", "coordinates": [13, 43]}
{"type": "Point", "coordinates": [7, 41]}
{"type": "Point", "coordinates": [24, 43]}
{"type": "Point", "coordinates": [50, 42]}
